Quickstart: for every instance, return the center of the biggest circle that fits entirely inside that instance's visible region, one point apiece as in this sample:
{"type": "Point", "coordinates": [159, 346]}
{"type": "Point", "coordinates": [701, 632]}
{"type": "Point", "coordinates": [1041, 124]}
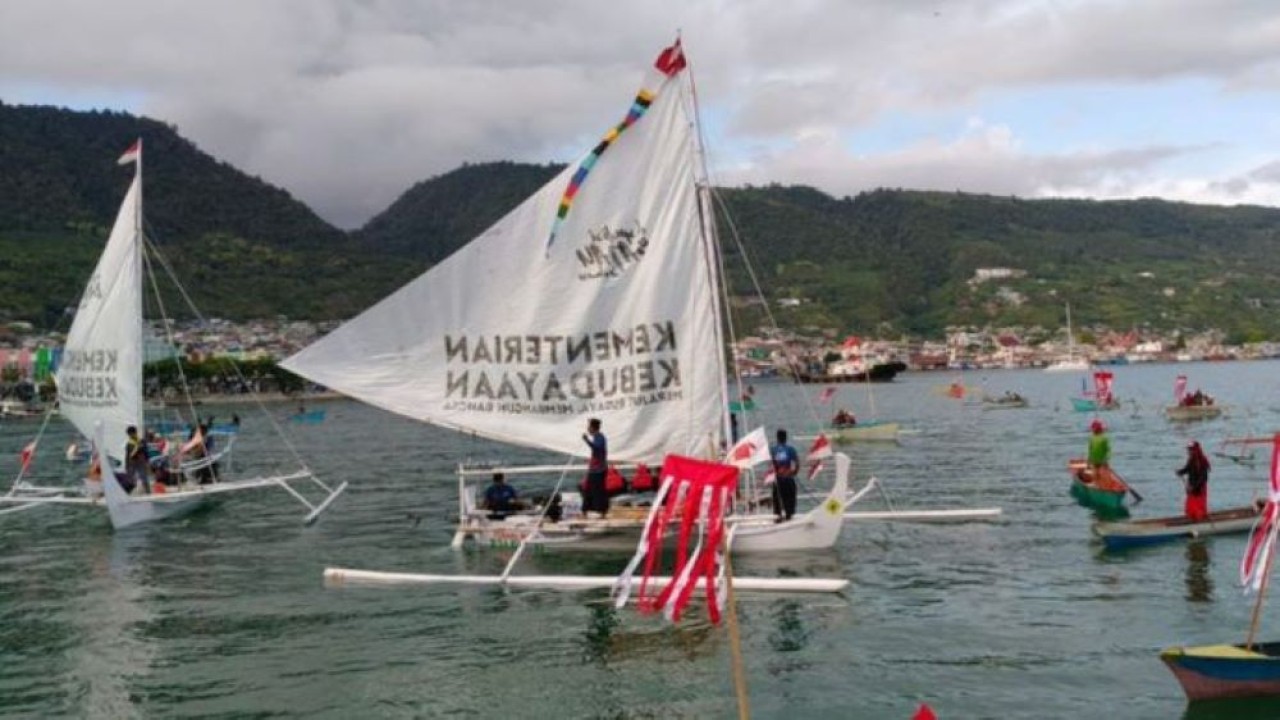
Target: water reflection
{"type": "Point", "coordinates": [1234, 709]}
{"type": "Point", "coordinates": [1199, 581]}
{"type": "Point", "coordinates": [789, 634]}
{"type": "Point", "coordinates": [111, 656]}
{"type": "Point", "coordinates": [607, 637]}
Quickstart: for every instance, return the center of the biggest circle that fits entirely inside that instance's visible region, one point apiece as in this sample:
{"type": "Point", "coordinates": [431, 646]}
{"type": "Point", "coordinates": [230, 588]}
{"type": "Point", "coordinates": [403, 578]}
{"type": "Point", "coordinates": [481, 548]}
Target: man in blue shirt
{"type": "Point", "coordinates": [597, 499]}
{"type": "Point", "coordinates": [786, 463]}
{"type": "Point", "coordinates": [499, 497]}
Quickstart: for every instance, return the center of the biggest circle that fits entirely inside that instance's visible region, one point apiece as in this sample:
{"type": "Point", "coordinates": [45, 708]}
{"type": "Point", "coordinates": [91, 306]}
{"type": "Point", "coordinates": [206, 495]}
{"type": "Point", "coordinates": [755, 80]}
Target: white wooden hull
{"type": "Point", "coordinates": [871, 432]}
{"type": "Point", "coordinates": [1193, 412]}
{"type": "Point", "coordinates": [126, 511]}
{"type": "Point", "coordinates": [817, 529]}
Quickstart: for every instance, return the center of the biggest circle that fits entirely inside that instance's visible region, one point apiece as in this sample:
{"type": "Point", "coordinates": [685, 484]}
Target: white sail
{"type": "Point", "coordinates": [100, 375]}
{"type": "Point", "coordinates": [520, 339]}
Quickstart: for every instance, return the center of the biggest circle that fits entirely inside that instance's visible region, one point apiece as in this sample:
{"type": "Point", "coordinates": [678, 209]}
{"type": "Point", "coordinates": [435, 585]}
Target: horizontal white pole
{"type": "Point", "coordinates": [927, 516]}
{"type": "Point", "coordinates": [341, 576]}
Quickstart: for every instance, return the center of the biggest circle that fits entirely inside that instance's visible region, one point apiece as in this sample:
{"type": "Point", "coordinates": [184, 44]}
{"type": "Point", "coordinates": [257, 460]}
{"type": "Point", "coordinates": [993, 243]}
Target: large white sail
{"type": "Point", "coordinates": [521, 339]}
{"type": "Point", "coordinates": [100, 375]}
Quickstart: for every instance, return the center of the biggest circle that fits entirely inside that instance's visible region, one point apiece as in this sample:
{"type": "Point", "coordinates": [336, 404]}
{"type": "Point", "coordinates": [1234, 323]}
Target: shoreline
{"type": "Point", "coordinates": [251, 398]}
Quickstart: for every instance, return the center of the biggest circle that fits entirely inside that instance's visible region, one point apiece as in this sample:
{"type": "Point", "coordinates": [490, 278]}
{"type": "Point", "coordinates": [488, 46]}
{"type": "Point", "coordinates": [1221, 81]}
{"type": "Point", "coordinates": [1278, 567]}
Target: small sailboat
{"type": "Point", "coordinates": [564, 310]}
{"type": "Point", "coordinates": [100, 386]}
{"type": "Point", "coordinates": [1071, 362]}
{"type": "Point", "coordinates": [1248, 669]}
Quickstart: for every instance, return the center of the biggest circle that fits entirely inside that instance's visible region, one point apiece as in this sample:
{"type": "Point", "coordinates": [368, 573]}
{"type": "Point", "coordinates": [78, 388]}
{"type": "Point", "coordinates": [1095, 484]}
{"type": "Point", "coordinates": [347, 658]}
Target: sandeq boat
{"type": "Point", "coordinates": [1120, 535]}
{"type": "Point", "coordinates": [564, 310]}
{"type": "Point", "coordinates": [1249, 669]}
{"type": "Point", "coordinates": [100, 392]}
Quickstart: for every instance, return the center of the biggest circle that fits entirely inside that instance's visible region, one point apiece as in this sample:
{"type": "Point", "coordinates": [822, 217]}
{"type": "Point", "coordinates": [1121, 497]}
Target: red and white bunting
{"type": "Point", "coordinates": [1262, 543]}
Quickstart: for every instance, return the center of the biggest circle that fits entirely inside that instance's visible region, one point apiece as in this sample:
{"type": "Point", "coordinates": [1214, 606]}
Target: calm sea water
{"type": "Point", "coordinates": [224, 613]}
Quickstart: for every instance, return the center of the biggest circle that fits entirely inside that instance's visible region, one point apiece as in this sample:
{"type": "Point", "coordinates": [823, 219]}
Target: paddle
{"type": "Point", "coordinates": [1136, 497]}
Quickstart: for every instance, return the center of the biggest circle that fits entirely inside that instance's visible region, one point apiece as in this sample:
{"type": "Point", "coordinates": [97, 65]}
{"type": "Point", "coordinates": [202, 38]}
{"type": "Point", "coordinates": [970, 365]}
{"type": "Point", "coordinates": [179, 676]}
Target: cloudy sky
{"type": "Point", "coordinates": [346, 103]}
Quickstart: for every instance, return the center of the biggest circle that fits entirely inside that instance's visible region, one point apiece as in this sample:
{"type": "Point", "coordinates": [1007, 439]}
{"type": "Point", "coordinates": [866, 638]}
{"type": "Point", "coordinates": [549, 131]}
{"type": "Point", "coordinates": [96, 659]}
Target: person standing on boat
{"type": "Point", "coordinates": [1099, 446]}
{"type": "Point", "coordinates": [786, 463]}
{"type": "Point", "coordinates": [135, 460]}
{"type": "Point", "coordinates": [1196, 474]}
{"type": "Point", "coordinates": [597, 499]}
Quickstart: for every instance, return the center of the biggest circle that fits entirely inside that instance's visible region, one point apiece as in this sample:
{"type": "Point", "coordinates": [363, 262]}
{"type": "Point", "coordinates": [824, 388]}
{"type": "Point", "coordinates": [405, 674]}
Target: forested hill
{"type": "Point", "coordinates": [884, 262]}
{"type": "Point", "coordinates": [243, 247]}
{"type": "Point", "coordinates": [894, 261]}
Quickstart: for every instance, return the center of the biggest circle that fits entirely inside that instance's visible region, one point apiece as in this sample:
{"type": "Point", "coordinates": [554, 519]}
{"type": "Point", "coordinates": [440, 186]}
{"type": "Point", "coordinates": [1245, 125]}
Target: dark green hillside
{"type": "Point", "coordinates": [242, 247]}
{"type": "Point", "coordinates": [885, 262]}
{"type": "Point", "coordinates": [436, 217]}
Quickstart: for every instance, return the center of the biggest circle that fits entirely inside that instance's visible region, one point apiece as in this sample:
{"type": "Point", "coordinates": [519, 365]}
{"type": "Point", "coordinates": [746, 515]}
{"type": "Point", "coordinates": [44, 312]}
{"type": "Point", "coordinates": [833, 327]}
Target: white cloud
{"type": "Point", "coordinates": [982, 158]}
{"type": "Point", "coordinates": [347, 103]}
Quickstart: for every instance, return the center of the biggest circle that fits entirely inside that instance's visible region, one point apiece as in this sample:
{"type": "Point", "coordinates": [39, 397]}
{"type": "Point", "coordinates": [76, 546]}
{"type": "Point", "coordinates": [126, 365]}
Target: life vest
{"type": "Point", "coordinates": [614, 482]}
{"type": "Point", "coordinates": [643, 480]}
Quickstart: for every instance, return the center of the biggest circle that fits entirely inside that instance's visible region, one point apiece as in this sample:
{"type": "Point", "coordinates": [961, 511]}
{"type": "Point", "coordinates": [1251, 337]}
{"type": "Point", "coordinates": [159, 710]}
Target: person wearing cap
{"type": "Point", "coordinates": [1196, 481]}
{"type": "Point", "coordinates": [1099, 446]}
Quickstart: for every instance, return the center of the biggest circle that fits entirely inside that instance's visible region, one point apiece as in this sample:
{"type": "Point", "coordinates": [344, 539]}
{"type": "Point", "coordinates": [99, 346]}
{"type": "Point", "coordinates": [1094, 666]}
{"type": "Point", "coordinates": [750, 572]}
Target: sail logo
{"type": "Point", "coordinates": [610, 252]}
{"type": "Point", "coordinates": [92, 291]}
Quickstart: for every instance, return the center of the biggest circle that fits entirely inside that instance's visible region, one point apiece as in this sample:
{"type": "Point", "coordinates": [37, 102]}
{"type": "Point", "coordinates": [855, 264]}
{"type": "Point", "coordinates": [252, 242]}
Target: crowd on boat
{"type": "Point", "coordinates": [154, 463]}
{"type": "Point", "coordinates": [604, 481]}
{"type": "Point", "coordinates": [1196, 399]}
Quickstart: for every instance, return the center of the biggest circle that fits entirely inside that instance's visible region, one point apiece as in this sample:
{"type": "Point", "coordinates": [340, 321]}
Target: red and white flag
{"type": "Point", "coordinates": [1256, 562]}
{"type": "Point", "coordinates": [827, 393]}
{"type": "Point", "coordinates": [1179, 388]}
{"type": "Point", "coordinates": [671, 60]}
{"type": "Point", "coordinates": [750, 451]}
{"type": "Point", "coordinates": [818, 451]}
{"type": "Point", "coordinates": [28, 454]}
{"type": "Point", "coordinates": [133, 154]}
{"type": "Point", "coordinates": [1102, 386]}
{"type": "Point", "coordinates": [821, 448]}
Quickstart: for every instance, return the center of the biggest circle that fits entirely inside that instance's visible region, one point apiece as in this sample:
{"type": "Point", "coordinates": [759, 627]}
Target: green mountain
{"type": "Point", "coordinates": [886, 262]}
{"type": "Point", "coordinates": [241, 247]}
{"type": "Point", "coordinates": [889, 262]}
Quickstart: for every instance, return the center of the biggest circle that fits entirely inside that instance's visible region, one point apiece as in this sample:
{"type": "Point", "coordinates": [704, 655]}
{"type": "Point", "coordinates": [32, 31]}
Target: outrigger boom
{"type": "Point", "coordinates": [345, 576]}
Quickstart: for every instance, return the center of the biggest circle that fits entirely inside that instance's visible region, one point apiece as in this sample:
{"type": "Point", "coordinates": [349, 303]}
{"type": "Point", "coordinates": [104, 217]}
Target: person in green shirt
{"type": "Point", "coordinates": [1099, 446]}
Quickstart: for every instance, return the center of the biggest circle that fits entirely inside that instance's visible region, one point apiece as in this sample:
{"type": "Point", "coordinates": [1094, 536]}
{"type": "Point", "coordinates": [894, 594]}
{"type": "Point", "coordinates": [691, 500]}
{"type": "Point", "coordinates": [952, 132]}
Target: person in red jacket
{"type": "Point", "coordinates": [1196, 481]}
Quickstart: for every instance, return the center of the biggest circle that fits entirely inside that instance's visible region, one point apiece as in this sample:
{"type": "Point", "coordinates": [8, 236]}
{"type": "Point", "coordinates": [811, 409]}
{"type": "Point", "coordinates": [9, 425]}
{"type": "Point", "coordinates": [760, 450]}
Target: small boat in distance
{"type": "Point", "coordinates": [1191, 406]}
{"type": "Point", "coordinates": [868, 431]}
{"type": "Point", "coordinates": [1009, 400]}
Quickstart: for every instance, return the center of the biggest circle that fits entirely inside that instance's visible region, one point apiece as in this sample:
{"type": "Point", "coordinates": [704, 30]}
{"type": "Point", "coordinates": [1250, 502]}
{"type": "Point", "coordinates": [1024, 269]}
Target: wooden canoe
{"type": "Point", "coordinates": [1136, 533]}
{"type": "Point", "coordinates": [1193, 412]}
{"type": "Point", "coordinates": [1105, 492]}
